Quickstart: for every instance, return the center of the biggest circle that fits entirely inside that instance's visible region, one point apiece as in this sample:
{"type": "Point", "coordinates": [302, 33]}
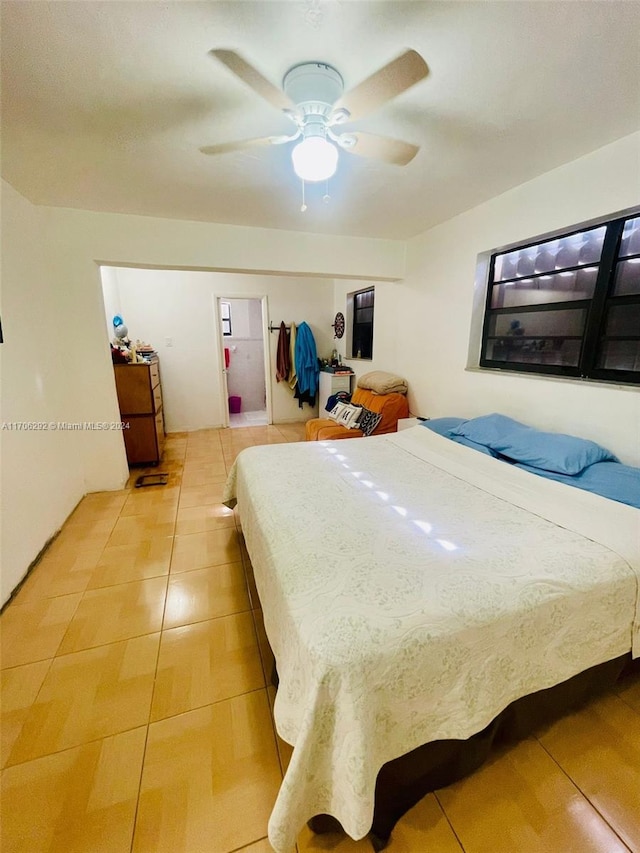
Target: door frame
{"type": "Point", "coordinates": [224, 391]}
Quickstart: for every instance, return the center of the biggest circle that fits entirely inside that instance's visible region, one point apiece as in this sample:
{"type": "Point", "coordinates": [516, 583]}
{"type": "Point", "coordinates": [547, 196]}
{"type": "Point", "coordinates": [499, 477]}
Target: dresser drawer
{"type": "Point", "coordinates": [340, 383]}
{"type": "Point", "coordinates": [154, 373]}
{"type": "Point", "coordinates": [140, 440]}
{"type": "Point", "coordinates": [157, 398]}
{"type": "Point", "coordinates": [160, 428]}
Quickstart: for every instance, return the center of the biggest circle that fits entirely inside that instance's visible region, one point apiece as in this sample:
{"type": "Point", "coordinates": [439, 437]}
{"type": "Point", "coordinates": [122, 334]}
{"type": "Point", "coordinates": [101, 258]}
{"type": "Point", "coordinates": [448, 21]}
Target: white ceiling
{"type": "Point", "coordinates": [105, 104]}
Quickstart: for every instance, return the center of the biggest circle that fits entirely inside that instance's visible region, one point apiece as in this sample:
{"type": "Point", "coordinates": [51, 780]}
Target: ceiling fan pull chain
{"type": "Point", "coordinates": [326, 198]}
{"type": "Point", "coordinates": [304, 206]}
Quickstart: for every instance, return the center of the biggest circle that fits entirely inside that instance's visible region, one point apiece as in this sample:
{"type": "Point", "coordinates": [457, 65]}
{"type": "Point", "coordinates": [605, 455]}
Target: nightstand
{"type": "Point", "coordinates": [407, 423]}
{"type": "Point", "coordinates": [331, 383]}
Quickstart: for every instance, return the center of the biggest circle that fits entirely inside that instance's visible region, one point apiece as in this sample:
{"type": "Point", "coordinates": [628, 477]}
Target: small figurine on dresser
{"type": "Point", "coordinates": [120, 345]}
{"type": "Point", "coordinates": [120, 332]}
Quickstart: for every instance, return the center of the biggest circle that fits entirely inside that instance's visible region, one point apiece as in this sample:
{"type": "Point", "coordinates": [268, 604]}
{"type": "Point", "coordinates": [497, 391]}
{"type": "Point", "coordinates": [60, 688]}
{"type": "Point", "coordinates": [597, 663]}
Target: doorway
{"type": "Point", "coordinates": [241, 323]}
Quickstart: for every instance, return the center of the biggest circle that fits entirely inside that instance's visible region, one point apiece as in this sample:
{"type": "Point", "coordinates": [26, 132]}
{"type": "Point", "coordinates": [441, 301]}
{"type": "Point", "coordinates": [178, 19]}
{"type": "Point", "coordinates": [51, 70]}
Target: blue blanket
{"type": "Point", "coordinates": [306, 359]}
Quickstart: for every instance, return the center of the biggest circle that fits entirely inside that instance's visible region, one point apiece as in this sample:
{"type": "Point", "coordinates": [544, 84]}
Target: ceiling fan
{"type": "Point", "coordinates": [313, 98]}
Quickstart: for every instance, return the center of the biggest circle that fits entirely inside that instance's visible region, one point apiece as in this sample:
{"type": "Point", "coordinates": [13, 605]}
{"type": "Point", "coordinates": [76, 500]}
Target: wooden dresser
{"type": "Point", "coordinates": [140, 399]}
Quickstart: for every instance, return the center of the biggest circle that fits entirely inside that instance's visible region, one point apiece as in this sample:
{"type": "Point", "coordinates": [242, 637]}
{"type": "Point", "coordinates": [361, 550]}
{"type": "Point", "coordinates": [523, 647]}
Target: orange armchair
{"type": "Point", "coordinates": [392, 407]}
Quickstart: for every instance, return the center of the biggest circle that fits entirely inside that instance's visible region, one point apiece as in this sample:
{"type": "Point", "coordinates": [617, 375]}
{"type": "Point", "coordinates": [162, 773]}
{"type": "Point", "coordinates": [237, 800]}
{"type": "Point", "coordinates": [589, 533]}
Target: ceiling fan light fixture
{"type": "Point", "coordinates": [315, 159]}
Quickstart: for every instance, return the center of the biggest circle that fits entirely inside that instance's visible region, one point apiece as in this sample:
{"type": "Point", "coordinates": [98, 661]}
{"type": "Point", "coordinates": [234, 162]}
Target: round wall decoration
{"type": "Point", "coordinates": [338, 325]}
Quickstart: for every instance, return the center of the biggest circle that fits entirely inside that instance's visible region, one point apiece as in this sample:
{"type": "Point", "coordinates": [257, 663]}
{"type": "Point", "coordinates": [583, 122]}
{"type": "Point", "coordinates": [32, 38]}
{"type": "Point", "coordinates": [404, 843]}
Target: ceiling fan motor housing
{"type": "Point", "coordinates": [313, 87]}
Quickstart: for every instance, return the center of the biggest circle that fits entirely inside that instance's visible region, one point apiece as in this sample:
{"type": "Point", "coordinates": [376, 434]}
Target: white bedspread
{"type": "Point", "coordinates": [412, 588]}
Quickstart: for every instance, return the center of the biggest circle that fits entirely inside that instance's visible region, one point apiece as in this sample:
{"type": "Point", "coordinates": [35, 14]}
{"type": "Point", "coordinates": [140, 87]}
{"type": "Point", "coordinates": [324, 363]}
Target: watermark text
{"type": "Point", "coordinates": [63, 426]}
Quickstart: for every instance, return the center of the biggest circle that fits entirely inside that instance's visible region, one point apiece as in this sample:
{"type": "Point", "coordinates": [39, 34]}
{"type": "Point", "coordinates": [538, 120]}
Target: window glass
{"type": "Point", "coordinates": [623, 321]}
{"type": "Point", "coordinates": [225, 316]}
{"type": "Point", "coordinates": [537, 351]}
{"type": "Point", "coordinates": [630, 244]}
{"type": "Point", "coordinates": [619, 355]}
{"type": "Point", "coordinates": [627, 280]}
{"type": "Point", "coordinates": [362, 331]}
{"type": "Point", "coordinates": [545, 337]}
{"type": "Point", "coordinates": [583, 247]}
{"type": "Point", "coordinates": [555, 287]}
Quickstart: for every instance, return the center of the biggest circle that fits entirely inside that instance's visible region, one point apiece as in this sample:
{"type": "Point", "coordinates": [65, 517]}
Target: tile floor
{"type": "Point", "coordinates": [136, 711]}
{"type": "Point", "coordinates": [248, 419]}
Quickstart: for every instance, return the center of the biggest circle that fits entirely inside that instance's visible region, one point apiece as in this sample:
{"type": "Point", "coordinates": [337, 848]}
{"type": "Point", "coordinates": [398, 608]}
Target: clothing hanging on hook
{"type": "Point", "coordinates": [293, 377]}
{"type": "Point", "coordinates": [283, 363]}
{"type": "Point", "coordinates": [306, 366]}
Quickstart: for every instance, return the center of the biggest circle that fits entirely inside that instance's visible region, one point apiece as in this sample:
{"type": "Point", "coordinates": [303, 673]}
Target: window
{"type": "Point", "coordinates": [362, 329]}
{"type": "Point", "coordinates": [225, 315]}
{"type": "Point", "coordinates": [568, 306]}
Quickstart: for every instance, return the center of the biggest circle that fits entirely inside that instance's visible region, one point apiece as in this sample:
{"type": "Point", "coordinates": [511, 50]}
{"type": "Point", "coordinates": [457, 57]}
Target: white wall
{"type": "Point", "coordinates": [245, 376]}
{"type": "Point", "coordinates": [41, 474]}
{"type": "Point", "coordinates": [434, 306]}
{"type": "Point", "coordinates": [111, 297]}
{"type": "Point", "coordinates": [246, 315]}
{"type": "Point", "coordinates": [387, 342]}
{"type": "Point", "coordinates": [161, 304]}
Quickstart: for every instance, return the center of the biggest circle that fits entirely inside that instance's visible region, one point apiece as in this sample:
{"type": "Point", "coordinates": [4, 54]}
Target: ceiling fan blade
{"type": "Point", "coordinates": [386, 83]}
{"type": "Point", "coordinates": [254, 79]}
{"type": "Point", "coordinates": [383, 148]}
{"type": "Point", "coordinates": [239, 145]}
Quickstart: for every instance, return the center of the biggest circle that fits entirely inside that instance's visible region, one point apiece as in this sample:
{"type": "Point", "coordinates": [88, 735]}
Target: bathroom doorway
{"type": "Point", "coordinates": [242, 324]}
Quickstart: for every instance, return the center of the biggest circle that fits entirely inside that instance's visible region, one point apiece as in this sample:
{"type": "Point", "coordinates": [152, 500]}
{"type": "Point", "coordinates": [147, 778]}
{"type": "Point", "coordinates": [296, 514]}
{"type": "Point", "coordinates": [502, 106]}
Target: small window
{"type": "Point", "coordinates": [362, 329]}
{"type": "Point", "coordinates": [225, 314]}
{"type": "Point", "coordinates": [568, 306]}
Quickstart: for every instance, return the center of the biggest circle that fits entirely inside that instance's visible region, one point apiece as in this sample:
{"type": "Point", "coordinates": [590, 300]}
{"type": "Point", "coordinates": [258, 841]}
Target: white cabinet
{"type": "Point", "coordinates": [331, 383]}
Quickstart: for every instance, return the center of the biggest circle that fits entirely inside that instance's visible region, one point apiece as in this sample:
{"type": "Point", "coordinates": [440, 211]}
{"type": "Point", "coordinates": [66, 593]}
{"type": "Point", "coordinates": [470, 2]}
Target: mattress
{"type": "Point", "coordinates": [407, 584]}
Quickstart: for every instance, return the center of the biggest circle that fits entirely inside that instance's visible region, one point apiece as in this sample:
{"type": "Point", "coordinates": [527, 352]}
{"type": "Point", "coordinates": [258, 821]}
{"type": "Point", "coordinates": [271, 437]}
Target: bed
{"type": "Point", "coordinates": [406, 581]}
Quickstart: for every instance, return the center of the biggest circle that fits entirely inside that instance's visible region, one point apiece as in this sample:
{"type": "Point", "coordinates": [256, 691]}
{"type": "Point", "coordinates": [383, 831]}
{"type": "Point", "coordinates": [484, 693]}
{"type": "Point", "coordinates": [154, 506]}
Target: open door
{"type": "Point", "coordinates": [244, 359]}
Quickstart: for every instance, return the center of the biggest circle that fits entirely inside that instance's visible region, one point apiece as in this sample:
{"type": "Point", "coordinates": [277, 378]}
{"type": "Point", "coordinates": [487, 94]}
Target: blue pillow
{"type": "Point", "coordinates": [550, 451]}
{"type": "Point", "coordinates": [609, 479]}
{"type": "Point", "coordinates": [444, 426]}
{"type": "Point", "coordinates": [473, 445]}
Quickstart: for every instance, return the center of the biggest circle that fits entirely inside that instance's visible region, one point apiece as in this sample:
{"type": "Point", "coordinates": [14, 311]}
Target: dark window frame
{"type": "Point", "coordinates": [362, 325]}
{"type": "Point", "coordinates": [597, 308]}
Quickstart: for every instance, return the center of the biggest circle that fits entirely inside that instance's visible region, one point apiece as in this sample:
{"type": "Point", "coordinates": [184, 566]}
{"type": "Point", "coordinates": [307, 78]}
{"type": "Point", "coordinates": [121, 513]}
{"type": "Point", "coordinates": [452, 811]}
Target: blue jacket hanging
{"type": "Point", "coordinates": [306, 361]}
